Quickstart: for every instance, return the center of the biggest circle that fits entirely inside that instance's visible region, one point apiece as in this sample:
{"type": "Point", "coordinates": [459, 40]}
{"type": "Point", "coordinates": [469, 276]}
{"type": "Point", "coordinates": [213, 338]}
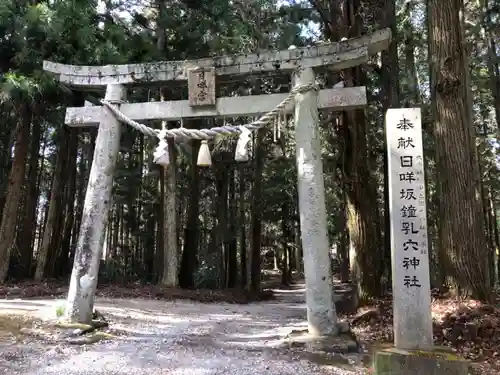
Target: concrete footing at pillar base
{"type": "Point", "coordinates": [401, 362]}
{"type": "Point", "coordinates": [342, 342]}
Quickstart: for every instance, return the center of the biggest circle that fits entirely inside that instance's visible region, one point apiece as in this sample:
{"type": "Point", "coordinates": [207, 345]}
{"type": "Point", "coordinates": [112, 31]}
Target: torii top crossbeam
{"type": "Point", "coordinates": [337, 56]}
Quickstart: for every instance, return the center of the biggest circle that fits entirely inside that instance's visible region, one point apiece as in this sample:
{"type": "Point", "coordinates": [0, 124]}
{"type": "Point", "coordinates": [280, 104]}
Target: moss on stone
{"type": "Point", "coordinates": [436, 354]}
{"type": "Point", "coordinates": [419, 362]}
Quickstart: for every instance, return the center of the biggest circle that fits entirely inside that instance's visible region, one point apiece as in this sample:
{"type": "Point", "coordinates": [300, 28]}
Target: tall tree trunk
{"type": "Point", "coordinates": [54, 205]}
{"type": "Point", "coordinates": [189, 260]}
{"type": "Point", "coordinates": [169, 234]}
{"type": "Point", "coordinates": [492, 60]}
{"type": "Point", "coordinates": [298, 243]}
{"type": "Point", "coordinates": [390, 99]}
{"type": "Point", "coordinates": [8, 140]}
{"type": "Point", "coordinates": [492, 224]}
{"type": "Point", "coordinates": [410, 82]}
{"type": "Point", "coordinates": [257, 212]}
{"type": "Point", "coordinates": [232, 264]}
{"type": "Point", "coordinates": [497, 238]}
{"type": "Point", "coordinates": [160, 236]}
{"type": "Point", "coordinates": [461, 224]}
{"type": "Point", "coordinates": [286, 275]}
{"type": "Point", "coordinates": [170, 251]}
{"type": "Point", "coordinates": [29, 221]}
{"type": "Point", "coordinates": [14, 188]}
{"type": "Point", "coordinates": [243, 230]}
{"type": "Point", "coordinates": [363, 218]}
{"type": "Point", "coordinates": [343, 245]}
{"type": "Point", "coordinates": [58, 255]}
{"type": "Point", "coordinates": [64, 264]}
{"type": "Point", "coordinates": [221, 210]}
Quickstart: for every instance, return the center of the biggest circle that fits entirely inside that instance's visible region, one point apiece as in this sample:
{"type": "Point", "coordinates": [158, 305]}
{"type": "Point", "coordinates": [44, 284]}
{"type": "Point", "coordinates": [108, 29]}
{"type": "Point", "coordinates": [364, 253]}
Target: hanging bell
{"type": "Point", "coordinates": [241, 153]}
{"type": "Point", "coordinates": [204, 158]}
{"type": "Point", "coordinates": [161, 155]}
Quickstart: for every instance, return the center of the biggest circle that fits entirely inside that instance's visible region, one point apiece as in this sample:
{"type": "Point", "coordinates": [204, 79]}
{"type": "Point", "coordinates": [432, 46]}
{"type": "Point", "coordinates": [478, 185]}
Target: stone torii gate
{"type": "Point", "coordinates": [303, 63]}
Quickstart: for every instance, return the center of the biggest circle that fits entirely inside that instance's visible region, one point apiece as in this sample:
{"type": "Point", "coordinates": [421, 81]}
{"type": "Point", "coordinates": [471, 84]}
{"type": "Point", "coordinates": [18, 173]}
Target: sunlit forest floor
{"type": "Point", "coordinates": [161, 329]}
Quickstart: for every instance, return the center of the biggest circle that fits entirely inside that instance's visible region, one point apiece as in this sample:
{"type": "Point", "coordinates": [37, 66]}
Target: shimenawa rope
{"type": "Point", "coordinates": [206, 134]}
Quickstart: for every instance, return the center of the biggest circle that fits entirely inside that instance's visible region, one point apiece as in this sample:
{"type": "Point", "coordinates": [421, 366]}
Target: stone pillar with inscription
{"type": "Point", "coordinates": [410, 258]}
{"type": "Point", "coordinates": [414, 353]}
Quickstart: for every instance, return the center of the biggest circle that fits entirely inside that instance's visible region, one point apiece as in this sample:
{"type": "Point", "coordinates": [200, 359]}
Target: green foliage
{"type": "Point", "coordinates": [60, 309]}
{"type": "Point", "coordinates": [17, 88]}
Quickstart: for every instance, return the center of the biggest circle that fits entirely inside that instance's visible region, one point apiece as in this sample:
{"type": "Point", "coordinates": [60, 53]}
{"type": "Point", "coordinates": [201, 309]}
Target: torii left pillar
{"type": "Point", "coordinates": [83, 284]}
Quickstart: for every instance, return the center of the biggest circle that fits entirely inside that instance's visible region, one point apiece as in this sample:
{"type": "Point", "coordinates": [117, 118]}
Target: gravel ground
{"type": "Point", "coordinates": [180, 338]}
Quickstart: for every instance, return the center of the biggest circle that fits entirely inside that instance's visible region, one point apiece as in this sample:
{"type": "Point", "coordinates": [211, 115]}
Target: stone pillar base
{"type": "Point", "coordinates": [344, 341]}
{"type": "Point", "coordinates": [401, 362]}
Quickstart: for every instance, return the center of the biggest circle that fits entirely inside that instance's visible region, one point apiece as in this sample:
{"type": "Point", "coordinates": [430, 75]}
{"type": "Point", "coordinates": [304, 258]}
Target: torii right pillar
{"type": "Point", "coordinates": [321, 315]}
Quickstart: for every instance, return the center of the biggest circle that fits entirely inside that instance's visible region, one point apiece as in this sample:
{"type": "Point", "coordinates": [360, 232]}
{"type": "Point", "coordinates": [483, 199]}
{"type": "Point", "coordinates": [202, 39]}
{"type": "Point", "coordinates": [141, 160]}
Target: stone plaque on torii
{"type": "Point", "coordinates": [303, 63]}
{"type": "Point", "coordinates": [201, 87]}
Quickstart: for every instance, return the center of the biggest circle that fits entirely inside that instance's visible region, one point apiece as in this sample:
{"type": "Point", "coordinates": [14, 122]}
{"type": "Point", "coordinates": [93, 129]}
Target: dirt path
{"type": "Point", "coordinates": [180, 338]}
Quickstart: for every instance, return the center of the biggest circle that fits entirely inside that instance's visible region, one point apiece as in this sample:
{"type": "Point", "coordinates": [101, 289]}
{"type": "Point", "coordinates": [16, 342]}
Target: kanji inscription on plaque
{"type": "Point", "coordinates": [201, 85]}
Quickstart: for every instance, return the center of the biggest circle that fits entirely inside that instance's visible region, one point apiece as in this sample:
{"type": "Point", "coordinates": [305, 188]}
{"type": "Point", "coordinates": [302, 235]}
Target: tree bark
{"type": "Point", "coordinates": [363, 218]}
{"type": "Point", "coordinates": [257, 213]}
{"type": "Point", "coordinates": [286, 273]}
{"type": "Point", "coordinates": [390, 99]}
{"type": "Point", "coordinates": [189, 259]}
{"type": "Point", "coordinates": [493, 61]}
{"type": "Point", "coordinates": [6, 160]}
{"type": "Point", "coordinates": [243, 230]}
{"type": "Point", "coordinates": [221, 219]}
{"type": "Point", "coordinates": [461, 225]}
{"type": "Point", "coordinates": [170, 251]}
{"type": "Point", "coordinates": [64, 267]}
{"type": "Point", "coordinates": [231, 245]}
{"type": "Point", "coordinates": [169, 242]}
{"type": "Point", "coordinates": [29, 222]}
{"type": "Point", "coordinates": [54, 205]}
{"type": "Point", "coordinates": [14, 188]}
